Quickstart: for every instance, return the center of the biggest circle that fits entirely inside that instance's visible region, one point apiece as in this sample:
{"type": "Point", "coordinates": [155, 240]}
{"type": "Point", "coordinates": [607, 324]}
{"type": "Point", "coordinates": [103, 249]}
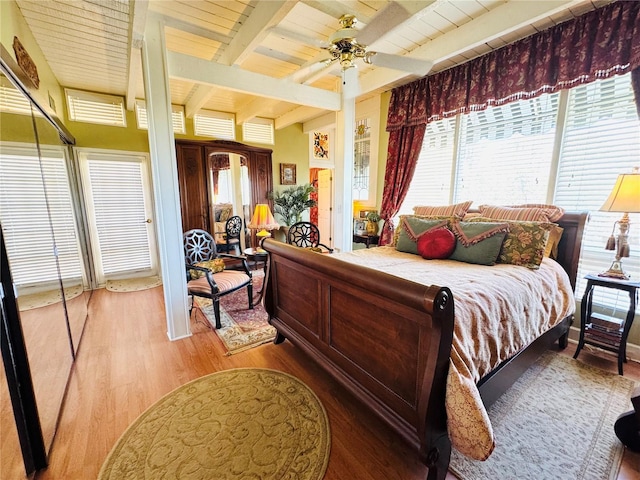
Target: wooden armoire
{"type": "Point", "coordinates": [194, 166]}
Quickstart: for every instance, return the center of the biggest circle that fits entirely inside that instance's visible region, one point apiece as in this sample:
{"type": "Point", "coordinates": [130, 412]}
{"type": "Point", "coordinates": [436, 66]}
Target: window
{"type": "Point", "coordinates": [13, 101]}
{"type": "Point", "coordinates": [26, 224]}
{"type": "Point", "coordinates": [258, 130]}
{"type": "Point", "coordinates": [177, 117]}
{"type": "Point", "coordinates": [215, 124]}
{"type": "Point", "coordinates": [96, 108]}
{"type": "Point", "coordinates": [600, 142]}
{"type": "Point", "coordinates": [361, 160]}
{"type": "Point", "coordinates": [514, 153]}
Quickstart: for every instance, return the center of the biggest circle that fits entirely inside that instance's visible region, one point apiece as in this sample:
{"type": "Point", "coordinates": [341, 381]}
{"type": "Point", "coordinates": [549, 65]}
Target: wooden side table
{"type": "Point", "coordinates": [368, 240]}
{"type": "Point", "coordinates": [603, 331]}
{"type": "Point", "coordinates": [257, 255]}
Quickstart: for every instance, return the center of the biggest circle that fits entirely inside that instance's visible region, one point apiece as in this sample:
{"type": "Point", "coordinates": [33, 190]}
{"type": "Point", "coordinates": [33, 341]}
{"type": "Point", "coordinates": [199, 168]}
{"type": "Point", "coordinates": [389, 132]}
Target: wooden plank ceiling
{"type": "Point", "coordinates": [95, 45]}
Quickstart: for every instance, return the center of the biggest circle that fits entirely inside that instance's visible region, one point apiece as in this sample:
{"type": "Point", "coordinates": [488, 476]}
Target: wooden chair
{"type": "Point", "coordinates": [306, 235]}
{"type": "Point", "coordinates": [199, 246]}
{"type": "Point", "coordinates": [233, 230]}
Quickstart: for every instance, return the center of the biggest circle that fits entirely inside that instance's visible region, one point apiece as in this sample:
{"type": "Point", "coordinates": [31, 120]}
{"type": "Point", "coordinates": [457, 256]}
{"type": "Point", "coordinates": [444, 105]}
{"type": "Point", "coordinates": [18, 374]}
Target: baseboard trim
{"type": "Point", "coordinates": [633, 350]}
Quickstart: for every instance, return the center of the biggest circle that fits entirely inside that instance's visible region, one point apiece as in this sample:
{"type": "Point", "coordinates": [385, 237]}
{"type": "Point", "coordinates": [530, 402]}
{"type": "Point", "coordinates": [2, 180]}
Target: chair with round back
{"type": "Point", "coordinates": [233, 230]}
{"type": "Point", "coordinates": [305, 235]}
{"type": "Point", "coordinates": [208, 278]}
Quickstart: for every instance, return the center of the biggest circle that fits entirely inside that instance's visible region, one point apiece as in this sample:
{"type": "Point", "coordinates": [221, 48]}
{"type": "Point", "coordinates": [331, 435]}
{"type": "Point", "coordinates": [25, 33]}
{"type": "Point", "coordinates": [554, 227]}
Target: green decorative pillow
{"type": "Point", "coordinates": [410, 230]}
{"type": "Point", "coordinates": [478, 242]}
{"type": "Point", "coordinates": [400, 228]}
{"type": "Point", "coordinates": [216, 266]}
{"type": "Point", "coordinates": [525, 244]}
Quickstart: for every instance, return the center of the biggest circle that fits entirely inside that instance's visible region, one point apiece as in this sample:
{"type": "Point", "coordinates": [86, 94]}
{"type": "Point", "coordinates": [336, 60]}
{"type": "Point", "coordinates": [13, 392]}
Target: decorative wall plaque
{"type": "Point", "coordinates": [25, 62]}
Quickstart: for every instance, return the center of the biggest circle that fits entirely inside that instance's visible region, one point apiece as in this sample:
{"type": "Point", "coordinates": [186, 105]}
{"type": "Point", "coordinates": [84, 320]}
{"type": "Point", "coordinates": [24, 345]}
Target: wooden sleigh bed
{"type": "Point", "coordinates": [388, 340]}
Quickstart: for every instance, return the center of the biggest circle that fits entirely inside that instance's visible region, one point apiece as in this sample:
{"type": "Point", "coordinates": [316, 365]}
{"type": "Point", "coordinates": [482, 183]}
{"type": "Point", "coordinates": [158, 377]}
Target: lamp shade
{"type": "Point", "coordinates": [625, 196]}
{"type": "Point", "coordinates": [262, 219]}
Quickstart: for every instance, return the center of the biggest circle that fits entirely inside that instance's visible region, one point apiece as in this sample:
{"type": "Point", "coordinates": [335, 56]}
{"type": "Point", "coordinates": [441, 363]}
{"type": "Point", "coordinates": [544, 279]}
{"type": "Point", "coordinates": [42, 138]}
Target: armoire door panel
{"type": "Point", "coordinates": [193, 181]}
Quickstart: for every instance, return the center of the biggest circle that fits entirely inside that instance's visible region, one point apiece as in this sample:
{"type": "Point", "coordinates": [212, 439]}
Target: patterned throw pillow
{"type": "Point", "coordinates": [478, 242]}
{"type": "Point", "coordinates": [437, 243]}
{"type": "Point", "coordinates": [216, 266]}
{"type": "Point", "coordinates": [525, 243]}
{"type": "Point", "coordinates": [527, 213]}
{"type": "Point", "coordinates": [458, 210]}
{"type": "Point", "coordinates": [412, 228]}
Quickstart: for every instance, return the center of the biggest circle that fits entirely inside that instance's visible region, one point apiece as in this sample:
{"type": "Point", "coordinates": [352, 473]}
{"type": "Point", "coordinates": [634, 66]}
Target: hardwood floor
{"type": "Point", "coordinates": [126, 363]}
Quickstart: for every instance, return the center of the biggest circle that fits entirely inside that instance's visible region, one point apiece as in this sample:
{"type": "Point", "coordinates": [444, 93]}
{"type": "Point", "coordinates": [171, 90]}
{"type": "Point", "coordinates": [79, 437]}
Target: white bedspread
{"type": "Point", "coordinates": [499, 310]}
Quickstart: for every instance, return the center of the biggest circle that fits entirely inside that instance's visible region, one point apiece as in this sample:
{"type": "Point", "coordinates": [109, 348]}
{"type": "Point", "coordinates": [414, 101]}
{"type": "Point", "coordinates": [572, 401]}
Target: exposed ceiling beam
{"type": "Point", "coordinates": [252, 32]}
{"type": "Point", "coordinates": [192, 69]}
{"type": "Point", "coordinates": [294, 116]}
{"type": "Point", "coordinates": [502, 20]}
{"type": "Point", "coordinates": [138, 20]}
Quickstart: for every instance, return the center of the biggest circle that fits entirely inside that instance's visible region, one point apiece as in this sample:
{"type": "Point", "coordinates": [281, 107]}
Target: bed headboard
{"type": "Point", "coordinates": [573, 224]}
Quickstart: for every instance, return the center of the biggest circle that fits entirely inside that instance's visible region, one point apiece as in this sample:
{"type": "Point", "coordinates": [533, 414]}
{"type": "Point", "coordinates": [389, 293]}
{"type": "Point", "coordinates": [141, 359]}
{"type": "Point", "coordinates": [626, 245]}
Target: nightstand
{"type": "Point", "coordinates": [603, 331]}
{"type": "Point", "coordinates": [368, 240]}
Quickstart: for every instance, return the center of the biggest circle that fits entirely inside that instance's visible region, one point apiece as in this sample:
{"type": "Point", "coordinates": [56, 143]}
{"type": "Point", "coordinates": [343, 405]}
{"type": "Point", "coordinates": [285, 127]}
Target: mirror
{"type": "Point", "coordinates": [38, 220]}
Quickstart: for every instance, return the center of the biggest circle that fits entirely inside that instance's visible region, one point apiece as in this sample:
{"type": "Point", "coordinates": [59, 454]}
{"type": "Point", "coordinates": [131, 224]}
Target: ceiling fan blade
{"type": "Point", "coordinates": [311, 72]}
{"type": "Point", "coordinates": [300, 37]}
{"type": "Point", "coordinates": [398, 62]}
{"type": "Point", "coordinates": [385, 20]}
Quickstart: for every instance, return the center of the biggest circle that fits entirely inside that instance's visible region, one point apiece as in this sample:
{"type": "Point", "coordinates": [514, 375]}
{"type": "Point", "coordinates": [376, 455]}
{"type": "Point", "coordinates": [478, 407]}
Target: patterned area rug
{"type": "Point", "coordinates": [42, 299]}
{"type": "Point", "coordinates": [555, 422]}
{"type": "Point", "coordinates": [133, 284]}
{"type": "Point", "coordinates": [242, 328]}
{"type": "Point", "coordinates": [246, 423]}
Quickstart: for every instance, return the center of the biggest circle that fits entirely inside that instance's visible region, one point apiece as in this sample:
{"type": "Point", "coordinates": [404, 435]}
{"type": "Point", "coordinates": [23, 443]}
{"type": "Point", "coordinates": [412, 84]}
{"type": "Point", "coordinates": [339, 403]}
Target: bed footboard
{"type": "Point", "coordinates": [385, 339]}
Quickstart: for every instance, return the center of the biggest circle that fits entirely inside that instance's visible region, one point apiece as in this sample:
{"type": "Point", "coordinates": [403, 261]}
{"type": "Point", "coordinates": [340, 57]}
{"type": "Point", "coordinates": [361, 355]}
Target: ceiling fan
{"type": "Point", "coordinates": [348, 44]}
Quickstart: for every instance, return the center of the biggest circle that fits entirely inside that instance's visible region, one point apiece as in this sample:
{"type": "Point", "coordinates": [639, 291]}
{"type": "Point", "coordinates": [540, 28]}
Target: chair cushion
{"type": "Point", "coordinates": [227, 280]}
{"type": "Point", "coordinates": [216, 265]}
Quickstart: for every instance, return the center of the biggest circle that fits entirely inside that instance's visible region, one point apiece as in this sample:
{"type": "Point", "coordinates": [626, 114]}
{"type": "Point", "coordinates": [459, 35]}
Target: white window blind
{"type": "Point", "coordinates": [259, 130]}
{"type": "Point", "coordinates": [28, 222]}
{"type": "Point", "coordinates": [177, 117]}
{"type": "Point", "coordinates": [600, 141]}
{"type": "Point", "coordinates": [118, 204]}
{"type": "Point", "coordinates": [12, 101]}
{"type": "Point", "coordinates": [505, 152]}
{"type": "Point", "coordinates": [215, 124]}
{"type": "Point", "coordinates": [96, 108]}
{"type": "Point", "coordinates": [431, 183]}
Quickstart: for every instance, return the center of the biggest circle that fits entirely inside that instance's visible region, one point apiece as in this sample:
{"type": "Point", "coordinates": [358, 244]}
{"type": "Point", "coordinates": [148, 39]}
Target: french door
{"type": "Point", "coordinates": [117, 194]}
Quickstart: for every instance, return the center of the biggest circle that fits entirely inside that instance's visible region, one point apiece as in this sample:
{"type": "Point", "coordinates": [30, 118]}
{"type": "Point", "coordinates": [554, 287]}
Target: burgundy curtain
{"type": "Point", "coordinates": [598, 44]}
{"type": "Point", "coordinates": [404, 148]}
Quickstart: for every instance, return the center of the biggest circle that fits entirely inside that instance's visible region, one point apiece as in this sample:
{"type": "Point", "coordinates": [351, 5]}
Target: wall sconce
{"type": "Point", "coordinates": [625, 198]}
{"type": "Point", "coordinates": [263, 221]}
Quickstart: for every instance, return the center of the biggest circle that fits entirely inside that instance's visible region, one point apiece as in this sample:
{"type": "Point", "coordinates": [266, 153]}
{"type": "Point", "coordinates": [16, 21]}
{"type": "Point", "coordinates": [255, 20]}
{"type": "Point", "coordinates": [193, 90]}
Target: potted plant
{"type": "Point", "coordinates": [290, 203]}
{"type": "Point", "coordinates": [372, 223]}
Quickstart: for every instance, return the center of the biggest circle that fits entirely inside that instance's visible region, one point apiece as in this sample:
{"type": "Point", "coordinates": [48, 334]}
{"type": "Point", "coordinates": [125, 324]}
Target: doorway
{"type": "Point", "coordinates": [117, 194]}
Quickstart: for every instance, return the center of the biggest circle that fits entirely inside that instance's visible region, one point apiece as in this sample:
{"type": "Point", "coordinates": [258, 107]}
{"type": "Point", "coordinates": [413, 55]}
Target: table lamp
{"type": "Point", "coordinates": [263, 221]}
{"type": "Point", "coordinates": [625, 198]}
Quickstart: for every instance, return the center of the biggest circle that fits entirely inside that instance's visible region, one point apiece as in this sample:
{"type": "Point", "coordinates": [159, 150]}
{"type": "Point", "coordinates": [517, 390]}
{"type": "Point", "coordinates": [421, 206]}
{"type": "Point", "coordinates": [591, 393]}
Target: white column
{"type": "Point", "coordinates": [343, 178]}
{"type": "Point", "coordinates": [165, 179]}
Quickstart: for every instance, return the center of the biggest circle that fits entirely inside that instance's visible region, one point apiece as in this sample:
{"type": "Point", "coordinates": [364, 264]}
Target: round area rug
{"type": "Point", "coordinates": [245, 423]}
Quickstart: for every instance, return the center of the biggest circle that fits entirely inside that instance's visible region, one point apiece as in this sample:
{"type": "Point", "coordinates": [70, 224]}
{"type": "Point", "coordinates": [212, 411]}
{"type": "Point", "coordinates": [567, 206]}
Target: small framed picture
{"type": "Point", "coordinates": [287, 174]}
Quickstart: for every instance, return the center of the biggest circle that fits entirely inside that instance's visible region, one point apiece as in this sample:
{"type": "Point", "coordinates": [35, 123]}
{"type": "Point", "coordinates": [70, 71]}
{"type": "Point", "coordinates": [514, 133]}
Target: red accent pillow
{"type": "Point", "coordinates": [438, 243]}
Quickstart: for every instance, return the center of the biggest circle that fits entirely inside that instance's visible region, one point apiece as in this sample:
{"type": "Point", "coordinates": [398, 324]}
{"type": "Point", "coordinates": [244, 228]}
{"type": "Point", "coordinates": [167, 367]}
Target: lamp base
{"type": "Point", "coordinates": [615, 271]}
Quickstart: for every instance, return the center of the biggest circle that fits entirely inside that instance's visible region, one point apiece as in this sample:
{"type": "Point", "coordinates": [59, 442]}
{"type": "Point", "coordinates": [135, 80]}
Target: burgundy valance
{"type": "Point", "coordinates": [598, 44]}
{"type": "Point", "coordinates": [220, 161]}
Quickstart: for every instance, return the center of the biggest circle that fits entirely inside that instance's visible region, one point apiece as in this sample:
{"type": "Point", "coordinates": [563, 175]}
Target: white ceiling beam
{"type": "Point", "coordinates": [326, 121]}
{"type": "Point", "coordinates": [264, 16]}
{"type": "Point", "coordinates": [138, 20]}
{"type": "Point", "coordinates": [253, 109]}
{"type": "Point", "coordinates": [192, 69]}
{"type": "Point", "coordinates": [294, 116]}
{"type": "Point", "coordinates": [504, 19]}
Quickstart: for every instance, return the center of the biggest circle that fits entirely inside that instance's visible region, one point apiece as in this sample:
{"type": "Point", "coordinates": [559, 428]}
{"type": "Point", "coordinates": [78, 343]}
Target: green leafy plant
{"type": "Point", "coordinates": [373, 217]}
{"type": "Point", "coordinates": [291, 203]}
